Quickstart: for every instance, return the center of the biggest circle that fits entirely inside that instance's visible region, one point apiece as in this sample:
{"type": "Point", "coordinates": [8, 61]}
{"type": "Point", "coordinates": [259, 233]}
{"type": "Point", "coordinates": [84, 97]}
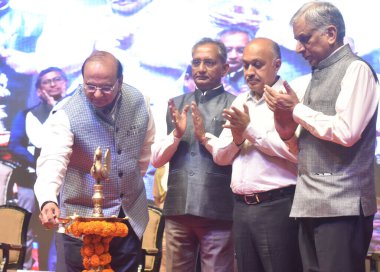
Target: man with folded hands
{"type": "Point", "coordinates": [264, 169]}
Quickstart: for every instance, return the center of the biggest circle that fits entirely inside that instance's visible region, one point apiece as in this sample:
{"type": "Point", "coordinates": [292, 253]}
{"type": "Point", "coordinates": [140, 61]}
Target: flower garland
{"type": "Point", "coordinates": [97, 235]}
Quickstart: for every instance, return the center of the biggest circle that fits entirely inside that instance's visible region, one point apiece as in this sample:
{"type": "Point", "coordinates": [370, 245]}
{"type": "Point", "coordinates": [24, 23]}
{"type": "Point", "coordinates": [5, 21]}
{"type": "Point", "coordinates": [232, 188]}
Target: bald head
{"type": "Point", "coordinates": [267, 45]}
{"type": "Point", "coordinates": [261, 62]}
{"type": "Point", "coordinates": [104, 57]}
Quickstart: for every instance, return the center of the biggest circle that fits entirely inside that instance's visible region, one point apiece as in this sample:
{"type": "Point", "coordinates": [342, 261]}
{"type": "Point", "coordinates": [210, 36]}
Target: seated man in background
{"type": "Point", "coordinates": [25, 142]}
{"type": "Point", "coordinates": [235, 39]}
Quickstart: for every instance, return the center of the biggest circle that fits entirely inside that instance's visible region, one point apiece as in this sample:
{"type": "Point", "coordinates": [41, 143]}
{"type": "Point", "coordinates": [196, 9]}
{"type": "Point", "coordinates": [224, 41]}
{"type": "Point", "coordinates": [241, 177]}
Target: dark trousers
{"type": "Point", "coordinates": [335, 243]}
{"type": "Point", "coordinates": [266, 239]}
{"type": "Point", "coordinates": [126, 253]}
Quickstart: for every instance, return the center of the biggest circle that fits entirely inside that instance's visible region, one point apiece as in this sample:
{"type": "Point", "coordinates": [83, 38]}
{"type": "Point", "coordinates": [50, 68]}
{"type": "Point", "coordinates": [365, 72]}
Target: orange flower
{"type": "Point", "coordinates": [87, 239]}
{"type": "Point", "coordinates": [97, 235]}
{"type": "Point", "coordinates": [99, 249]}
{"type": "Point", "coordinates": [109, 229]}
{"type": "Point", "coordinates": [102, 228]}
{"type": "Point", "coordinates": [94, 260]}
{"type": "Point", "coordinates": [105, 258]}
{"type": "Point", "coordinates": [106, 240]}
{"type": "Point", "coordinates": [121, 229]}
{"type": "Point", "coordinates": [106, 247]}
{"type": "Point", "coordinates": [98, 227]}
{"type": "Point", "coordinates": [96, 239]}
{"type": "Point", "coordinates": [81, 226]}
{"type": "Point", "coordinates": [88, 250]}
{"type": "Point", "coordinates": [87, 228]}
{"type": "Point", "coordinates": [86, 262]}
{"type": "Point", "coordinates": [73, 228]}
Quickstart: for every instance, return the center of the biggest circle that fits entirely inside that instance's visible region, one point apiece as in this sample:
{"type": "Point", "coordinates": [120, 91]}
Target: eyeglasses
{"type": "Point", "coordinates": [50, 81]}
{"type": "Point", "coordinates": [209, 63]}
{"type": "Point", "coordinates": [105, 89]}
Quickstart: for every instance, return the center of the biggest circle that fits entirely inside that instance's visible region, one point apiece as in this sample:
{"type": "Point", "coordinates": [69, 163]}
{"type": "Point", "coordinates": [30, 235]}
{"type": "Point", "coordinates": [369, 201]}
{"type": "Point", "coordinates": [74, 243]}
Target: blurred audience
{"type": "Point", "coordinates": [235, 39]}
{"type": "Point", "coordinates": [27, 136]}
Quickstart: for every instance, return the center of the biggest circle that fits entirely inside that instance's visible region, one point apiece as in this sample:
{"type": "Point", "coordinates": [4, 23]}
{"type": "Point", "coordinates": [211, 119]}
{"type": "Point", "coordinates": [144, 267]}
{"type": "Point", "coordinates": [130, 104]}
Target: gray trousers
{"type": "Point", "coordinates": [188, 237]}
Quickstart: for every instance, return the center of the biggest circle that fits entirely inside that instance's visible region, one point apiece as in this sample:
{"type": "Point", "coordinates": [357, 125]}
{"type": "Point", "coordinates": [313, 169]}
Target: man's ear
{"type": "Point", "coordinates": [277, 64]}
{"type": "Point", "coordinates": [226, 67]}
{"type": "Point", "coordinates": [332, 34]}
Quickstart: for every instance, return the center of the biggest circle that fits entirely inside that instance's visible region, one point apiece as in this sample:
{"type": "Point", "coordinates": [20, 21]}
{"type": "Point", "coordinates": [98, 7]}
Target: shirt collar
{"type": "Point", "coordinates": [206, 91]}
{"type": "Point", "coordinates": [277, 86]}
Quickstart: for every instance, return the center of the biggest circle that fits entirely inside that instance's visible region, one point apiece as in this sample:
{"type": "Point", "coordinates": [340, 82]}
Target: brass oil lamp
{"type": "Point", "coordinates": [99, 172]}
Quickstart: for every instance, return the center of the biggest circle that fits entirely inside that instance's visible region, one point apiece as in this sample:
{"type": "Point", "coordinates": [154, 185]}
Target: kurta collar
{"type": "Point", "coordinates": [203, 96]}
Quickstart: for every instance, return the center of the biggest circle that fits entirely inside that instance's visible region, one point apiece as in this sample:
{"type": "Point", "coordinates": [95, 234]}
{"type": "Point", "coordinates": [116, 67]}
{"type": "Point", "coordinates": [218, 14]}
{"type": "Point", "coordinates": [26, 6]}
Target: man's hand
{"type": "Point", "coordinates": [238, 122]}
{"type": "Point", "coordinates": [46, 97]}
{"type": "Point", "coordinates": [199, 128]}
{"type": "Point", "coordinates": [280, 100]}
{"type": "Point", "coordinates": [282, 104]}
{"type": "Point", "coordinates": [178, 119]}
{"type": "Point", "coordinates": [284, 124]}
{"type": "Point", "coordinates": [49, 215]}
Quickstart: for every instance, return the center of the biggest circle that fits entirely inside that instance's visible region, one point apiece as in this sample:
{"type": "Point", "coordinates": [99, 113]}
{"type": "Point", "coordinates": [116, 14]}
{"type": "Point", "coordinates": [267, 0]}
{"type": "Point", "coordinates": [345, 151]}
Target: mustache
{"type": "Point", "coordinates": [250, 77]}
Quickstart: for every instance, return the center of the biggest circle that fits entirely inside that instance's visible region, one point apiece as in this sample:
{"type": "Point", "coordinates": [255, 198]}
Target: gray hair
{"type": "Point", "coordinates": [320, 15]}
{"type": "Point", "coordinates": [222, 50]}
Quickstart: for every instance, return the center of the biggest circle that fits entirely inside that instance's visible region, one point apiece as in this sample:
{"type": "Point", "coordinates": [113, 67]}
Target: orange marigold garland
{"type": "Point", "coordinates": [97, 235]}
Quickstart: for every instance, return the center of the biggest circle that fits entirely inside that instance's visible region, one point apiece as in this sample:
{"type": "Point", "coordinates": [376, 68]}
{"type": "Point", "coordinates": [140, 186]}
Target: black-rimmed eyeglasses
{"type": "Point", "coordinates": [51, 80]}
{"type": "Point", "coordinates": [104, 89]}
